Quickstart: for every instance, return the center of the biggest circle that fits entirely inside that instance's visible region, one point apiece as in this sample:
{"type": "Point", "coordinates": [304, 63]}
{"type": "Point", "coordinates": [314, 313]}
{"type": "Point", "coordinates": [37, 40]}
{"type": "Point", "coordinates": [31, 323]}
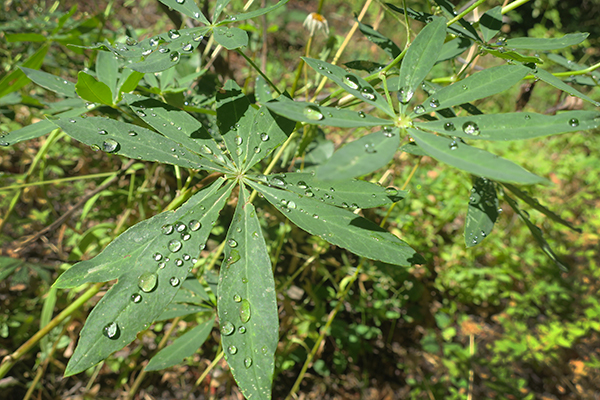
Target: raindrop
{"type": "Point", "coordinates": [194, 225]}
{"type": "Point", "coordinates": [227, 328]}
{"type": "Point", "coordinates": [470, 128]}
{"type": "Point", "coordinates": [302, 185]}
{"type": "Point", "coordinates": [180, 226]}
{"type": "Point", "coordinates": [238, 140]}
{"type": "Point", "coordinates": [309, 193]}
{"type": "Point", "coordinates": [102, 132]}
{"type": "Point", "coordinates": [404, 95]}
{"type": "Point", "coordinates": [247, 362]}
{"type": "Point", "coordinates": [574, 122]}
{"type": "Point", "coordinates": [198, 38]}
{"type": "Point", "coordinates": [391, 191]}
{"type": "Point", "coordinates": [232, 349]}
{"type": "Point", "coordinates": [167, 229]}
{"type": "Point", "coordinates": [244, 280]}
{"type": "Point", "coordinates": [111, 330]}
{"type": "Point", "coordinates": [419, 109]}
{"type": "Point", "coordinates": [141, 113]}
{"type": "Point", "coordinates": [388, 131]}
{"type": "Point", "coordinates": [205, 149]}
{"type": "Point", "coordinates": [147, 281]}
{"type": "Point", "coordinates": [132, 133]}
{"type": "Point", "coordinates": [434, 103]}
{"type": "Point", "coordinates": [157, 256]}
{"type": "Point", "coordinates": [291, 205]}
{"type": "Point", "coordinates": [234, 257]}
{"type": "Point", "coordinates": [178, 262]}
{"type": "Point", "coordinates": [174, 281]}
{"type": "Point", "coordinates": [174, 56]}
{"type": "Point", "coordinates": [130, 41]}
{"type": "Point", "coordinates": [174, 34]}
{"type": "Point", "coordinates": [278, 181]}
{"type": "Point", "coordinates": [264, 137]}
{"type": "Point", "coordinates": [245, 311]}
{"type": "Point", "coordinates": [370, 148]}
{"type": "Point", "coordinates": [242, 329]}
{"type": "Point", "coordinates": [136, 297]}
{"type": "Point", "coordinates": [110, 145]}
{"type": "Point", "coordinates": [187, 47]}
{"type": "Point", "coordinates": [154, 41]}
{"type": "Point", "coordinates": [453, 145]}
{"type": "Point", "coordinates": [175, 245]}
{"type": "Point", "coordinates": [527, 116]}
{"type": "Point", "coordinates": [164, 50]}
{"type": "Point", "coordinates": [237, 298]}
{"type": "Point", "coordinates": [367, 93]}
{"type": "Point", "coordinates": [232, 243]}
{"type": "Point", "coordinates": [72, 121]}
{"type": "Point", "coordinates": [313, 113]}
{"type": "Point", "coordinates": [162, 265]}
{"type": "Point", "coordinates": [94, 147]}
{"type": "Point", "coordinates": [186, 257]}
{"type": "Point", "coordinates": [264, 350]}
{"type": "Point", "coordinates": [361, 114]}
{"type": "Point", "coordinates": [351, 81]}
{"type": "Point", "coordinates": [449, 126]}
{"type": "Point", "coordinates": [256, 149]}
{"type": "Point", "coordinates": [185, 236]}
{"type": "Point", "coordinates": [180, 1]}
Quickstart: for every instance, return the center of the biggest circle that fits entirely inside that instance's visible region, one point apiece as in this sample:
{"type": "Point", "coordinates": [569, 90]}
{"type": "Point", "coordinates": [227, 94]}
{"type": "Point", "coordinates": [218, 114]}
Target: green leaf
{"type": "Point", "coordinates": [38, 129]}
{"type": "Point", "coordinates": [144, 260]}
{"type": "Point", "coordinates": [247, 306]}
{"type": "Point", "coordinates": [482, 211]}
{"type": "Point", "coordinates": [182, 347]}
{"type": "Point", "coordinates": [513, 126]}
{"type": "Point", "coordinates": [88, 88]}
{"type": "Point", "coordinates": [557, 83]}
{"type": "Point", "coordinates": [490, 23]}
{"type": "Point", "coordinates": [176, 309]}
{"type": "Point", "coordinates": [51, 82]}
{"type": "Point", "coordinates": [513, 56]}
{"type": "Point", "coordinates": [362, 65]}
{"type": "Point", "coordinates": [528, 43]}
{"type": "Point", "coordinates": [349, 194]}
{"type": "Point", "coordinates": [262, 90]}
{"type": "Point", "coordinates": [187, 7]}
{"type": "Point", "coordinates": [341, 227]}
{"type": "Point", "coordinates": [234, 119]}
{"type": "Point", "coordinates": [453, 48]}
{"type": "Point", "coordinates": [362, 156]}
{"type": "Point", "coordinates": [256, 13]}
{"type": "Point", "coordinates": [219, 6]}
{"type": "Point", "coordinates": [573, 66]}
{"type": "Point", "coordinates": [128, 81]}
{"type": "Point", "coordinates": [476, 161]}
{"type": "Point", "coordinates": [319, 115]}
{"type": "Point", "coordinates": [465, 27]}
{"type": "Point", "coordinates": [351, 83]}
{"type": "Point", "coordinates": [107, 70]}
{"type": "Point", "coordinates": [536, 232]}
{"type": "Point", "coordinates": [477, 86]}
{"type": "Point", "coordinates": [380, 40]}
{"type": "Point", "coordinates": [17, 78]}
{"type": "Point", "coordinates": [534, 203]}
{"type": "Point", "coordinates": [130, 141]}
{"type": "Point", "coordinates": [420, 58]}
{"type": "Point", "coordinates": [25, 37]}
{"type": "Point", "coordinates": [230, 37]}
{"type": "Point", "coordinates": [181, 127]}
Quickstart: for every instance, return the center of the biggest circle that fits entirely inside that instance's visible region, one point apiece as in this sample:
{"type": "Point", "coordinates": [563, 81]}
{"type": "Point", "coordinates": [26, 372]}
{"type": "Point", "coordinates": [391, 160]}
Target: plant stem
{"type": "Point", "coordinates": [468, 10]}
{"type": "Point", "coordinates": [256, 67]}
{"type": "Point", "coordinates": [513, 5]}
{"type": "Point", "coordinates": [61, 180]}
{"type": "Point", "coordinates": [11, 359]}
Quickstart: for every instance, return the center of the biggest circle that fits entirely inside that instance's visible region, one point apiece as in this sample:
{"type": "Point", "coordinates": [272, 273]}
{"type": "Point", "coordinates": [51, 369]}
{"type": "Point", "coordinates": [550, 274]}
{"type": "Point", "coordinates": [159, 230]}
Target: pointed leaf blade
{"type": "Point", "coordinates": [421, 57]}
{"type": "Point", "coordinates": [557, 83]}
{"type": "Point", "coordinates": [51, 82]}
{"type": "Point", "coordinates": [247, 306]}
{"type": "Point", "coordinates": [528, 43]}
{"type": "Point", "coordinates": [351, 83]}
{"type": "Point", "coordinates": [189, 8]}
{"type": "Point", "coordinates": [341, 227]}
{"type": "Point", "coordinates": [513, 126]}
{"type": "Point", "coordinates": [476, 161]}
{"type": "Point", "coordinates": [88, 88]}
{"type": "Point", "coordinates": [490, 23]}
{"type": "Point", "coordinates": [311, 113]}
{"type": "Point", "coordinates": [183, 347]}
{"type": "Point", "coordinates": [258, 12]}
{"type": "Point", "coordinates": [230, 37]}
{"type": "Point", "coordinates": [385, 43]}
{"type": "Point", "coordinates": [149, 262]}
{"type": "Point", "coordinates": [361, 156]}
{"type": "Point", "coordinates": [107, 70]}
{"type": "Point", "coordinates": [482, 211]}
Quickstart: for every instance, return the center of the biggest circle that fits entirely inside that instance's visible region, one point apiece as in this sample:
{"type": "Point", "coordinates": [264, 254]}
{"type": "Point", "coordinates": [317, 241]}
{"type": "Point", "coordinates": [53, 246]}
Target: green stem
{"type": "Point", "coordinates": [468, 10]}
{"type": "Point", "coordinates": [256, 67]}
{"type": "Point", "coordinates": [73, 178]}
{"type": "Point", "coordinates": [513, 5]}
{"type": "Point", "coordinates": [9, 361]}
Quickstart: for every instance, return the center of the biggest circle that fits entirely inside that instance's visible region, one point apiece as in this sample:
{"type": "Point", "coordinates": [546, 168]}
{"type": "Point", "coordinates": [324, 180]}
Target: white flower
{"type": "Point", "coordinates": [316, 21]}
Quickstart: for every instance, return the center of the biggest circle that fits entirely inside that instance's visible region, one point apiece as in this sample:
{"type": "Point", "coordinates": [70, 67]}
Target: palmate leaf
{"type": "Point", "coordinates": [319, 115]}
{"type": "Point", "coordinates": [476, 161]}
{"type": "Point", "coordinates": [340, 227]}
{"type": "Point", "coordinates": [351, 83]}
{"type": "Point", "coordinates": [482, 211]}
{"type": "Point", "coordinates": [181, 127]}
{"type": "Point", "coordinates": [150, 260]}
{"type": "Point", "coordinates": [362, 156]}
{"type": "Point", "coordinates": [116, 137]}
{"type": "Point", "coordinates": [54, 83]}
{"type": "Point", "coordinates": [182, 347]}
{"type": "Point", "coordinates": [477, 86]}
{"type": "Point", "coordinates": [513, 126]}
{"type": "Point", "coordinates": [420, 58]}
{"type": "Point", "coordinates": [247, 306]}
{"type": "Point", "coordinates": [350, 194]}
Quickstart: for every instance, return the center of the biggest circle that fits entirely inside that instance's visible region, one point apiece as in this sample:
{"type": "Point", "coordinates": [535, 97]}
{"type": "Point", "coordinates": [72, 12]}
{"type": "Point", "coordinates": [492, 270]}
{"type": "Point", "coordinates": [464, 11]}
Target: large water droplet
{"type": "Point", "coordinates": [574, 122]}
{"type": "Point", "coordinates": [404, 95]}
{"type": "Point", "coordinates": [361, 114]}
{"type": "Point", "coordinates": [136, 297]}
{"type": "Point", "coordinates": [419, 109]}
{"type": "Point", "coordinates": [232, 349]}
{"type": "Point", "coordinates": [234, 257]}
{"type": "Point", "coordinates": [174, 56]}
{"type": "Point", "coordinates": [237, 298]}
{"type": "Point", "coordinates": [157, 256]}
{"type": "Point", "coordinates": [368, 93]}
{"type": "Point", "coordinates": [264, 137]}
{"type": "Point", "coordinates": [227, 328]}
{"type": "Point", "coordinates": [130, 41]}
{"type": "Point", "coordinates": [102, 132]}
{"type": "Point", "coordinates": [194, 225]}
{"type": "Point", "coordinates": [111, 330]}
{"type": "Point", "coordinates": [278, 181]}
{"type": "Point", "coordinates": [232, 243]}
{"type": "Point", "coordinates": [180, 226]}
{"type": "Point", "coordinates": [242, 329]}
{"type": "Point", "coordinates": [351, 81]}
{"type": "Point", "coordinates": [147, 281]}
{"type": "Point", "coordinates": [180, 1]}
{"type": "Point", "coordinates": [453, 145]}
{"type": "Point", "coordinates": [187, 47]}
{"type": "Point", "coordinates": [110, 145]}
{"type": "Point", "coordinates": [185, 236]}
{"type": "Point", "coordinates": [238, 140]}
{"type": "Point", "coordinates": [245, 311]}
{"type": "Point", "coordinates": [154, 41]}
{"type": "Point", "coordinates": [247, 362]}
{"type": "Point", "coordinates": [175, 245]}
{"type": "Point", "coordinates": [302, 185]}
{"type": "Point", "coordinates": [449, 126]}
{"type": "Point", "coordinates": [174, 34]}
{"type": "Point", "coordinates": [178, 262]}
{"type": "Point", "coordinates": [167, 229]}
{"type": "Point", "coordinates": [313, 113]}
{"type": "Point", "coordinates": [470, 128]}
{"type": "Point", "coordinates": [391, 191]}
{"type": "Point", "coordinates": [434, 103]}
{"type": "Point", "coordinates": [174, 281]}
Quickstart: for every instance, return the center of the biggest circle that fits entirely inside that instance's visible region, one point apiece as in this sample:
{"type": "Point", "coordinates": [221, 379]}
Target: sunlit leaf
{"type": "Point", "coordinates": [88, 88]}
{"type": "Point", "coordinates": [490, 23]}
{"type": "Point", "coordinates": [557, 83]}
{"type": "Point", "coordinates": [482, 211]}
{"type": "Point", "coordinates": [529, 43]}
{"type": "Point", "coordinates": [385, 43]}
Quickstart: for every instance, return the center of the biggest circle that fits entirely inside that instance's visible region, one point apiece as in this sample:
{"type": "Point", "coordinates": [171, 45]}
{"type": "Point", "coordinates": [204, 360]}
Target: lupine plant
{"type": "Point", "coordinates": [237, 140]}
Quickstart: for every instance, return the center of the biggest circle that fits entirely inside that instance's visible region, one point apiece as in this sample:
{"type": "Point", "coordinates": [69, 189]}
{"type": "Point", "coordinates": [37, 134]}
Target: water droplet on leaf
{"type": "Point", "coordinates": [453, 145]}
{"type": "Point", "coordinates": [110, 145]}
{"type": "Point", "coordinates": [174, 281]}
{"type": "Point", "coordinates": [313, 113]}
{"type": "Point", "coordinates": [111, 330]}
{"type": "Point", "coordinates": [434, 103]}
{"type": "Point", "coordinates": [245, 311]}
{"type": "Point", "coordinates": [136, 297]}
{"type": "Point", "coordinates": [175, 245]}
{"type": "Point", "coordinates": [195, 225]}
{"type": "Point", "coordinates": [470, 128]}
{"type": "Point", "coordinates": [174, 34]}
{"type": "Point", "coordinates": [167, 229]}
{"type": "Point", "coordinates": [449, 126]}
{"type": "Point", "coordinates": [351, 81]}
{"type": "Point", "coordinates": [237, 298]}
{"type": "Point", "coordinates": [227, 328]}
{"type": "Point", "coordinates": [361, 114]}
{"type": "Point", "coordinates": [574, 122]}
{"type": "Point", "coordinates": [247, 362]}
{"type": "Point", "coordinates": [232, 349]}
{"type": "Point", "coordinates": [147, 281]}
